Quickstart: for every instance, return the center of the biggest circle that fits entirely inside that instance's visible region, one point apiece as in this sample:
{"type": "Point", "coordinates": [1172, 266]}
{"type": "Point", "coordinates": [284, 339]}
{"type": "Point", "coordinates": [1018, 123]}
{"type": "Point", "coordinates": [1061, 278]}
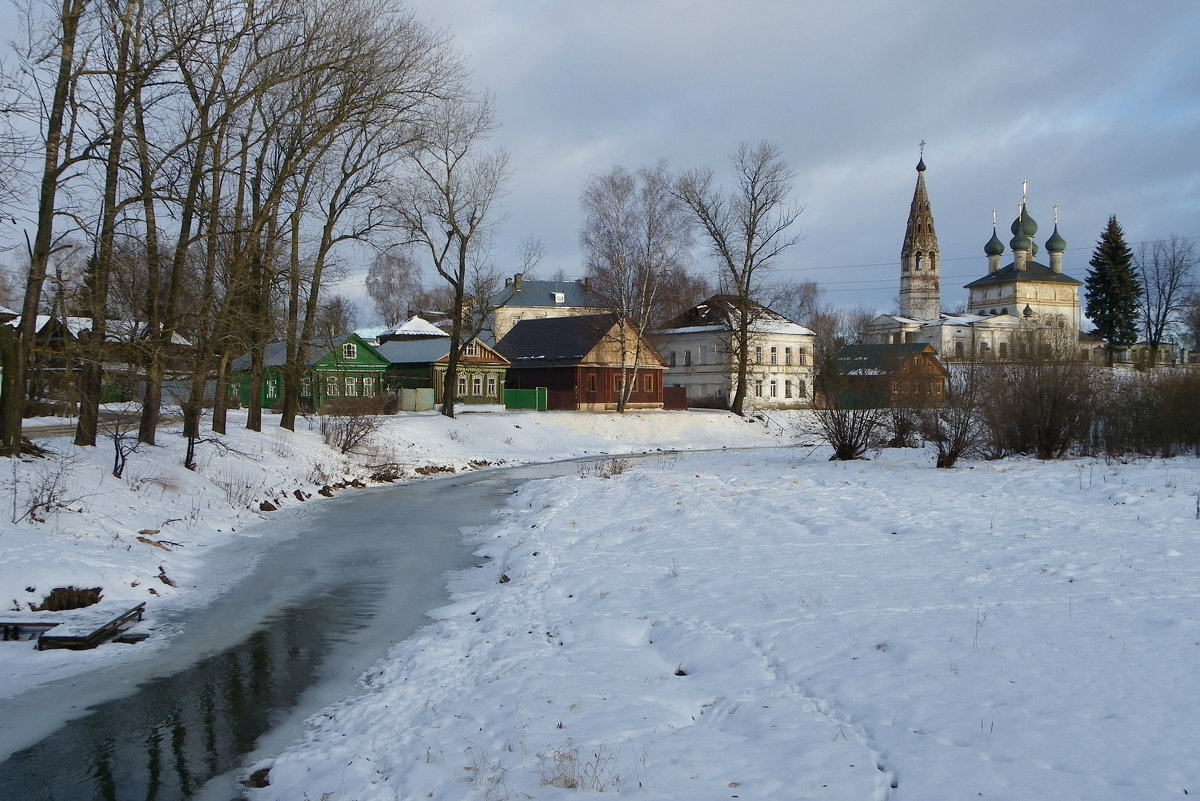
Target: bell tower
{"type": "Point", "coordinates": [920, 284]}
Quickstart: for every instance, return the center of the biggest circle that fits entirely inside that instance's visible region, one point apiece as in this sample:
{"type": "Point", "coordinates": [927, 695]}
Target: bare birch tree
{"type": "Point", "coordinates": [635, 234]}
{"type": "Point", "coordinates": [393, 281]}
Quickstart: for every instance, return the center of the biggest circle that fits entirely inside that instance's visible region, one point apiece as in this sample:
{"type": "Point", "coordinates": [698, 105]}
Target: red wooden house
{"type": "Point", "coordinates": [583, 362]}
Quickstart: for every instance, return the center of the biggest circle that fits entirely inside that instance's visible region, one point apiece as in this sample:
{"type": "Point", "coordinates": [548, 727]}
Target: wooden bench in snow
{"type": "Point", "coordinates": [77, 629]}
{"type": "Point", "coordinates": [21, 625]}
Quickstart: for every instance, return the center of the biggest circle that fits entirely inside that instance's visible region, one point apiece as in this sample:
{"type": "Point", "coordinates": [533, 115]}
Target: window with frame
{"type": "Point", "coordinates": [368, 387]}
{"type": "Point", "coordinates": [774, 355]}
{"type": "Point", "coordinates": [801, 389]}
{"type": "Point", "coordinates": [591, 382]}
{"type": "Point", "coordinates": [802, 355]}
{"type": "Point", "coordinates": [349, 350]}
{"type": "Point", "coordinates": [476, 385]}
{"type": "Point", "coordinates": [758, 354]}
{"type": "Point", "coordinates": [351, 386]}
{"type": "Point", "coordinates": [687, 358]}
{"type": "Point", "coordinates": [616, 382]}
{"type": "Point", "coordinates": [671, 359]}
{"type": "Point", "coordinates": [774, 389]}
{"type": "Point", "coordinates": [471, 349]}
{"type": "Point", "coordinates": [787, 356]}
{"type": "Point", "coordinates": [648, 382]}
{"type": "Point", "coordinates": [331, 387]}
{"type": "Point", "coordinates": [272, 388]}
{"type": "Point", "coordinates": [704, 354]}
{"type": "Point", "coordinates": [787, 389]}
{"type": "Point", "coordinates": [306, 387]}
{"type": "Point", "coordinates": [491, 386]}
{"type": "Point", "coordinates": [462, 386]}
{"type": "Point", "coordinates": [758, 389]}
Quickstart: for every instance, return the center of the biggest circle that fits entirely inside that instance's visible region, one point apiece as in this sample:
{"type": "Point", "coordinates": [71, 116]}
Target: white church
{"type": "Point", "coordinates": [1008, 309]}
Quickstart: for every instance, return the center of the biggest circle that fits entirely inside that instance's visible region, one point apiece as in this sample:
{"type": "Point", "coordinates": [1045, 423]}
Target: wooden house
{"type": "Point", "coordinates": [582, 362]}
{"type": "Point", "coordinates": [421, 363]}
{"type": "Point", "coordinates": [903, 376]}
{"type": "Point", "coordinates": [343, 368]}
{"type": "Point", "coordinates": [61, 343]}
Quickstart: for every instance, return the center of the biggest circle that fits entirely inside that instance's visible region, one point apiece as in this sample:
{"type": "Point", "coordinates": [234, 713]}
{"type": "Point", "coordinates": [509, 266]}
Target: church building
{"type": "Point", "coordinates": [1008, 309]}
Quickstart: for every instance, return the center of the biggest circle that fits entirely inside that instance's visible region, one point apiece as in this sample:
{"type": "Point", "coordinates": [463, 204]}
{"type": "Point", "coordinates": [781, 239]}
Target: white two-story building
{"type": "Point", "coordinates": [696, 347]}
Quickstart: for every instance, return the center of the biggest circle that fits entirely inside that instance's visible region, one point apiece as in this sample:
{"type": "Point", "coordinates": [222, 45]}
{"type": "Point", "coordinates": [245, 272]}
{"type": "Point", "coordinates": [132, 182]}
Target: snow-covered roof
{"type": "Point", "coordinates": [117, 329]}
{"type": "Point", "coordinates": [715, 314]}
{"type": "Point", "coordinates": [416, 326]}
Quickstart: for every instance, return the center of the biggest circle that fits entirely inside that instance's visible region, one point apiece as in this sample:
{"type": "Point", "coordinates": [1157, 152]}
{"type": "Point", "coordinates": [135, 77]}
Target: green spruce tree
{"type": "Point", "coordinates": [1113, 292]}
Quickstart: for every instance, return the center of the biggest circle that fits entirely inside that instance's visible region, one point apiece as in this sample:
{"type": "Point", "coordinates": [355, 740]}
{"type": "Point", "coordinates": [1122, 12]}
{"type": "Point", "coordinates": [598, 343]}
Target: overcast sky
{"type": "Point", "coordinates": [1097, 105]}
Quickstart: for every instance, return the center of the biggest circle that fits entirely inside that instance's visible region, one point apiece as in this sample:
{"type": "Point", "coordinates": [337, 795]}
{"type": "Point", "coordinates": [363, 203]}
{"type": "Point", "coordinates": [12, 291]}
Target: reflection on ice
{"type": "Point", "coordinates": [243, 673]}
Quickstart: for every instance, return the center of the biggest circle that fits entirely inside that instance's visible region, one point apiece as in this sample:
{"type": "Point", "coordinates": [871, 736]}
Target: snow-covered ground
{"type": "Point", "coordinates": [739, 624]}
{"type": "Point", "coordinates": [145, 536]}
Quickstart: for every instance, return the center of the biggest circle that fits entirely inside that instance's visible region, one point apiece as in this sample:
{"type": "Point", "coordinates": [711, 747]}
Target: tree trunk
{"type": "Point", "coordinates": [151, 398]}
{"type": "Point", "coordinates": [13, 401]}
{"type": "Point", "coordinates": [221, 396]}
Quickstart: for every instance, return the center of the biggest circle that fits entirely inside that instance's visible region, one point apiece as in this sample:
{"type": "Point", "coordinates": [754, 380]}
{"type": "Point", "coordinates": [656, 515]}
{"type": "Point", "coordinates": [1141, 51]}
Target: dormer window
{"type": "Point", "coordinates": [349, 350]}
{"type": "Point", "coordinates": [559, 297]}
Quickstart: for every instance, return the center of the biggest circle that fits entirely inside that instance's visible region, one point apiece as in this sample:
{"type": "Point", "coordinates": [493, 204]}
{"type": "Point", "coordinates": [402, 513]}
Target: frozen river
{"type": "Point", "coordinates": [242, 673]}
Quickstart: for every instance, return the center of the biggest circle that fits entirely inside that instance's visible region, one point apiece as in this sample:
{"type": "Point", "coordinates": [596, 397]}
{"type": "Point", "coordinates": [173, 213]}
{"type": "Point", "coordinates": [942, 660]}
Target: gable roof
{"type": "Point", "coordinates": [1034, 272]}
{"type": "Point", "coordinates": [554, 341]}
{"type": "Point", "coordinates": [717, 311]}
{"type": "Point", "coordinates": [866, 360]}
{"type": "Point", "coordinates": [425, 350]}
{"type": "Point", "coordinates": [415, 351]}
{"type": "Point", "coordinates": [275, 353]}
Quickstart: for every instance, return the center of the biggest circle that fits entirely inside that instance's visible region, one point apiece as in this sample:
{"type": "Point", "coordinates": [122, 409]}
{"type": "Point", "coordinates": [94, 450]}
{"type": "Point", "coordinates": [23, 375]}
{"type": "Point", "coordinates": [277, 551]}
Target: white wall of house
{"type": "Point", "coordinates": [698, 359]}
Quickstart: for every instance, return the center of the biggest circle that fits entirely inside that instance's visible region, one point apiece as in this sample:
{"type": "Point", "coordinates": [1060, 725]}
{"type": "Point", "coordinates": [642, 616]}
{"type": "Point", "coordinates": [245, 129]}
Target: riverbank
{"type": "Point", "coordinates": [146, 536]}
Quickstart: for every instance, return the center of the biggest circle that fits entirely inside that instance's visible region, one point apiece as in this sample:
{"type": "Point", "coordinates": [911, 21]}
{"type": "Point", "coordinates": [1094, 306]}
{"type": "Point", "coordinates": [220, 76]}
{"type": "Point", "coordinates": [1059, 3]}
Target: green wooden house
{"type": "Point", "coordinates": [344, 368]}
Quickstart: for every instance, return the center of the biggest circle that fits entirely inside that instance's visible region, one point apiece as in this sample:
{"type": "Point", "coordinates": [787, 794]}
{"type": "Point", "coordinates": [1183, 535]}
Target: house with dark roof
{"type": "Point", "coordinates": [584, 362]}
{"type": "Point", "coordinates": [528, 299]}
{"type": "Point", "coordinates": [903, 376]}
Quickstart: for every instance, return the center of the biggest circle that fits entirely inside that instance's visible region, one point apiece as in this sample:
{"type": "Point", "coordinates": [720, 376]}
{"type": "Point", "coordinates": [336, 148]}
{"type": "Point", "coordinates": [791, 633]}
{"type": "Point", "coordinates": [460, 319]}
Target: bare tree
{"type": "Point", "coordinates": [954, 426]}
{"type": "Point", "coordinates": [1166, 269]}
{"type": "Point", "coordinates": [836, 326]}
{"type": "Point", "coordinates": [393, 281]}
{"type": "Point", "coordinates": [746, 229]}
{"type": "Point", "coordinates": [1041, 406]}
{"type": "Point", "coordinates": [57, 160]}
{"type": "Point", "coordinates": [336, 315]}
{"type": "Point", "coordinates": [635, 233]}
{"type": "Point", "coordinates": [446, 206]}
{"type": "Point", "coordinates": [797, 300]}
{"type": "Point", "coordinates": [848, 420]}
{"type": "Point", "coordinates": [679, 291]}
{"type": "Point", "coordinates": [1190, 319]}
